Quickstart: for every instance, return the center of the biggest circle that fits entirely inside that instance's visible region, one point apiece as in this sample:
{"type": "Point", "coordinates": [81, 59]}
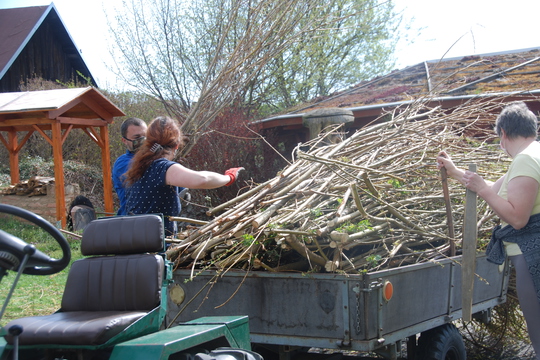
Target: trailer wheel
{"type": "Point", "coordinates": [441, 343]}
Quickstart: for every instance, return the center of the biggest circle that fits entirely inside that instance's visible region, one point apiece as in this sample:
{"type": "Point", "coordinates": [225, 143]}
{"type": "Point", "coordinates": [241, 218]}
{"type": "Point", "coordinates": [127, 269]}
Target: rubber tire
{"type": "Point", "coordinates": [441, 343]}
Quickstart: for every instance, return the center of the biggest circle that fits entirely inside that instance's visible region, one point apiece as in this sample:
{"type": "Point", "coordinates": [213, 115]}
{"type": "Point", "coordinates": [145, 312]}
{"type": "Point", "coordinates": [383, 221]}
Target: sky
{"type": "Point", "coordinates": [438, 29]}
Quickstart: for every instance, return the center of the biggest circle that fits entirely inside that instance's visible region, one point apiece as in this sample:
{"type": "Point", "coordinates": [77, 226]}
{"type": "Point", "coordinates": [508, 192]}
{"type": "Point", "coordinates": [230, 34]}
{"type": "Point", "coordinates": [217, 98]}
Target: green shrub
{"type": "Point", "coordinates": [35, 166]}
{"type": "Point", "coordinates": [5, 178]}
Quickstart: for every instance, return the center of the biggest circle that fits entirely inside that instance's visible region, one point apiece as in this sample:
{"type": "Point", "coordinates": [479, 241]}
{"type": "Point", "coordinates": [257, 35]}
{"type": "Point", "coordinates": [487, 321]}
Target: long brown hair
{"type": "Point", "coordinates": [166, 133]}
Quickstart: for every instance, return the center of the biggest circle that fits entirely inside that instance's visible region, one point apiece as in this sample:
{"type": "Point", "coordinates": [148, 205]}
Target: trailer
{"type": "Point", "coordinates": [372, 312]}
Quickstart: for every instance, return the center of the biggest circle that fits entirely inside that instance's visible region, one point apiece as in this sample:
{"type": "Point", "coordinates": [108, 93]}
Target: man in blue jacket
{"type": "Point", "coordinates": [133, 135]}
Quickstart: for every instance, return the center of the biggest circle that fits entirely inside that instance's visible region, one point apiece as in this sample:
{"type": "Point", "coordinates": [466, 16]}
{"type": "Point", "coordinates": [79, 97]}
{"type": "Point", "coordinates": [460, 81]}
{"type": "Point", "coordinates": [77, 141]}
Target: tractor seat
{"type": "Point", "coordinates": [105, 293]}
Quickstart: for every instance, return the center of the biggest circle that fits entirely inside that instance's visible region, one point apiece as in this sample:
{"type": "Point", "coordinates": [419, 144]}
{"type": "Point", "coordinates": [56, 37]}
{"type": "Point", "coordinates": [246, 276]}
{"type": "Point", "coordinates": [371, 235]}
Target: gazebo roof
{"type": "Point", "coordinates": [53, 114]}
{"type": "Point", "coordinates": [83, 103]}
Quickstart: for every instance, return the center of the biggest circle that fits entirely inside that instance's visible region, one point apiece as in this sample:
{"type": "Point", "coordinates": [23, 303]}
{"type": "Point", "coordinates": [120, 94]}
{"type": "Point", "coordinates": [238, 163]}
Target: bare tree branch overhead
{"type": "Point", "coordinates": [199, 57]}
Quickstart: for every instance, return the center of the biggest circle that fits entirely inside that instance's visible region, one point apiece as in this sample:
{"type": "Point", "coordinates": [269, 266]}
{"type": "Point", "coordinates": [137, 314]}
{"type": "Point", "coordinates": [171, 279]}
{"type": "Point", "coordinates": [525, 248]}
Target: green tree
{"type": "Point", "coordinates": [199, 57]}
{"type": "Point", "coordinates": [359, 47]}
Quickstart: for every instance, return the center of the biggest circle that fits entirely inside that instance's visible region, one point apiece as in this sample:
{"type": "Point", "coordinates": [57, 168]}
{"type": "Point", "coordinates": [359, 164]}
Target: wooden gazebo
{"type": "Point", "coordinates": [53, 114]}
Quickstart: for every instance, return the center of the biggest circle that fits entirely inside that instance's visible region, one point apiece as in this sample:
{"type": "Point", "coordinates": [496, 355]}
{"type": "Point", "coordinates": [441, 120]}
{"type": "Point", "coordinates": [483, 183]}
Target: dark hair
{"type": "Point", "coordinates": [166, 133]}
{"type": "Point", "coordinates": [78, 201]}
{"type": "Point", "coordinates": [128, 122]}
{"type": "Point", "coordinates": [517, 120]}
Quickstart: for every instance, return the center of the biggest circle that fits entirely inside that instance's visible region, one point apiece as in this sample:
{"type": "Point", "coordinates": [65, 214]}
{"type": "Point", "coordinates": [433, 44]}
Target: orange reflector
{"type": "Point", "coordinates": [388, 290]}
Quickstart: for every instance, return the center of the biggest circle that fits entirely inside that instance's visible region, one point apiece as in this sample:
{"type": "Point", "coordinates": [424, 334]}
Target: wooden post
{"type": "Point", "coordinates": [13, 157]}
{"type": "Point", "coordinates": [56, 128]}
{"type": "Point", "coordinates": [107, 173]}
{"type": "Point", "coordinates": [468, 260]}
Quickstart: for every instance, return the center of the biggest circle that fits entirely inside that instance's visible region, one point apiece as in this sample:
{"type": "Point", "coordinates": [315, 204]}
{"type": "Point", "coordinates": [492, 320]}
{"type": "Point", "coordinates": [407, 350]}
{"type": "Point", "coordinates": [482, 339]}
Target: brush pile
{"type": "Point", "coordinates": [371, 202]}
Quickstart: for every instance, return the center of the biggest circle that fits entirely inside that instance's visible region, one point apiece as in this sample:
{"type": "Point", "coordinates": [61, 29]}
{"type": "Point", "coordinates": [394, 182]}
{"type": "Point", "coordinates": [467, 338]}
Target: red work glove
{"type": "Point", "coordinates": [233, 174]}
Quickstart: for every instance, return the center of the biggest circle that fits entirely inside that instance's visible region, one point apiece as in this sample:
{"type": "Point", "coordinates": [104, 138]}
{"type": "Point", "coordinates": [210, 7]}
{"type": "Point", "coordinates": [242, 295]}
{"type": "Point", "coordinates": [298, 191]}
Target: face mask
{"type": "Point", "coordinates": [135, 144]}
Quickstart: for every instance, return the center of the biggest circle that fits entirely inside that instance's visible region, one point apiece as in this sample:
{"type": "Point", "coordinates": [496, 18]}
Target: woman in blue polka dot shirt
{"type": "Point", "coordinates": [153, 179]}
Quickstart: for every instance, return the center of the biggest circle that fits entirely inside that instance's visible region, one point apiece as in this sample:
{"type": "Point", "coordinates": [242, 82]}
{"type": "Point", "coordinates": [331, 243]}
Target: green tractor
{"type": "Point", "coordinates": [115, 300]}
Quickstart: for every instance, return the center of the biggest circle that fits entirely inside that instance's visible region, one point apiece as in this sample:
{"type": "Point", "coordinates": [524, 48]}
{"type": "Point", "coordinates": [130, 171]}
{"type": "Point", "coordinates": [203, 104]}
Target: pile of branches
{"type": "Point", "coordinates": [370, 202]}
{"type": "Point", "coordinates": [35, 186]}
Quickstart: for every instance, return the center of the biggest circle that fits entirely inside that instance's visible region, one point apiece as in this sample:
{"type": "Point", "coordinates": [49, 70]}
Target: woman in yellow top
{"type": "Point", "coordinates": [516, 200]}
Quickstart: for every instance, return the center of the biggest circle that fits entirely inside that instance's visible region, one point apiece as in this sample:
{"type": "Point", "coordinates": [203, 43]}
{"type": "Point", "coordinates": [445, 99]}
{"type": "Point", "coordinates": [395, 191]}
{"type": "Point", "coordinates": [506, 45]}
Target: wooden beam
{"type": "Point", "coordinates": [24, 140]}
{"type": "Point", "coordinates": [468, 259]}
{"type": "Point", "coordinates": [53, 114]}
{"type": "Point", "coordinates": [93, 135]}
{"type": "Point", "coordinates": [66, 133]}
{"type": "Point", "coordinates": [18, 128]}
{"type": "Point", "coordinates": [98, 109]}
{"type": "Point", "coordinates": [81, 121]}
{"type": "Point", "coordinates": [59, 174]}
{"type": "Point", "coordinates": [45, 136]}
{"type": "Point", "coordinates": [97, 137]}
{"type": "Point", "coordinates": [25, 121]}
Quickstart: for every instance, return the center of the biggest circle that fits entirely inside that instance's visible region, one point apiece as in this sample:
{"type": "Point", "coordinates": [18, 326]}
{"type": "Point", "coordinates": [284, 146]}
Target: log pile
{"type": "Point", "coordinates": [370, 202]}
{"type": "Point", "coordinates": [35, 186]}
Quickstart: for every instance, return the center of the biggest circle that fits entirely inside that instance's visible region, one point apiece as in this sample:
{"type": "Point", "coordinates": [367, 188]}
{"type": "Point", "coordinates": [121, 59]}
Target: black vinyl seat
{"type": "Point", "coordinates": [119, 284]}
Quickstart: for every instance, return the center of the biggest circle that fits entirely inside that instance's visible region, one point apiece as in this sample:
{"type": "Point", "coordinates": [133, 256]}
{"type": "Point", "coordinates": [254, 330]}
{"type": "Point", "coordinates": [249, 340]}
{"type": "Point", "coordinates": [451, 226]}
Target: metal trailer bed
{"type": "Point", "coordinates": [339, 311]}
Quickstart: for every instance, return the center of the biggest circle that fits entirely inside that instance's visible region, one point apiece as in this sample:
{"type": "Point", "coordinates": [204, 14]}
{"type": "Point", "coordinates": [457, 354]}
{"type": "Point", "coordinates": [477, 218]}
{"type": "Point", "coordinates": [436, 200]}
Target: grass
{"type": "Point", "coordinates": [34, 295]}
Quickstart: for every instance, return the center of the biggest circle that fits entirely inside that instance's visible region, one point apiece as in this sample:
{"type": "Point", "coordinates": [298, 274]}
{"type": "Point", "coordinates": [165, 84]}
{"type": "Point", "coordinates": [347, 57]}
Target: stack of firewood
{"type": "Point", "coordinates": [36, 185]}
{"type": "Point", "coordinates": [371, 202]}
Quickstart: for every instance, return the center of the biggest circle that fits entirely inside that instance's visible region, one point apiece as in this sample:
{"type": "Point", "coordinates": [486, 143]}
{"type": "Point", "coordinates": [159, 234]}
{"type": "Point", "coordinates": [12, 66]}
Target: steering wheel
{"type": "Point", "coordinates": [13, 249]}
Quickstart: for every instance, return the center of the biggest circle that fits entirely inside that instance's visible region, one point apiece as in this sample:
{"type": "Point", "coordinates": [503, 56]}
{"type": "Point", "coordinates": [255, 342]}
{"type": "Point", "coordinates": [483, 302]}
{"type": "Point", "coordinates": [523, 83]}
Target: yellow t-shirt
{"type": "Point", "coordinates": [526, 163]}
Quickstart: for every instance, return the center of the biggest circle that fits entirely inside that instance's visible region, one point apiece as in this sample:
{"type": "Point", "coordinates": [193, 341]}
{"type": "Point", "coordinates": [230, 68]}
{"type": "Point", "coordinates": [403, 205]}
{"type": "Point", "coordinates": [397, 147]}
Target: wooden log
{"type": "Point", "coordinates": [368, 232]}
{"type": "Point", "coordinates": [370, 185]}
{"type": "Point", "coordinates": [188, 220]}
{"type": "Point", "coordinates": [336, 222]}
{"type": "Point", "coordinates": [343, 204]}
{"type": "Point", "coordinates": [308, 202]}
{"type": "Point", "coordinates": [304, 251]}
{"type": "Point", "coordinates": [357, 200]}
{"type": "Point", "coordinates": [35, 181]}
{"type": "Point", "coordinates": [239, 198]}
{"type": "Point", "coordinates": [38, 191]}
{"type": "Point", "coordinates": [338, 238]}
{"type": "Point", "coordinates": [265, 215]}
